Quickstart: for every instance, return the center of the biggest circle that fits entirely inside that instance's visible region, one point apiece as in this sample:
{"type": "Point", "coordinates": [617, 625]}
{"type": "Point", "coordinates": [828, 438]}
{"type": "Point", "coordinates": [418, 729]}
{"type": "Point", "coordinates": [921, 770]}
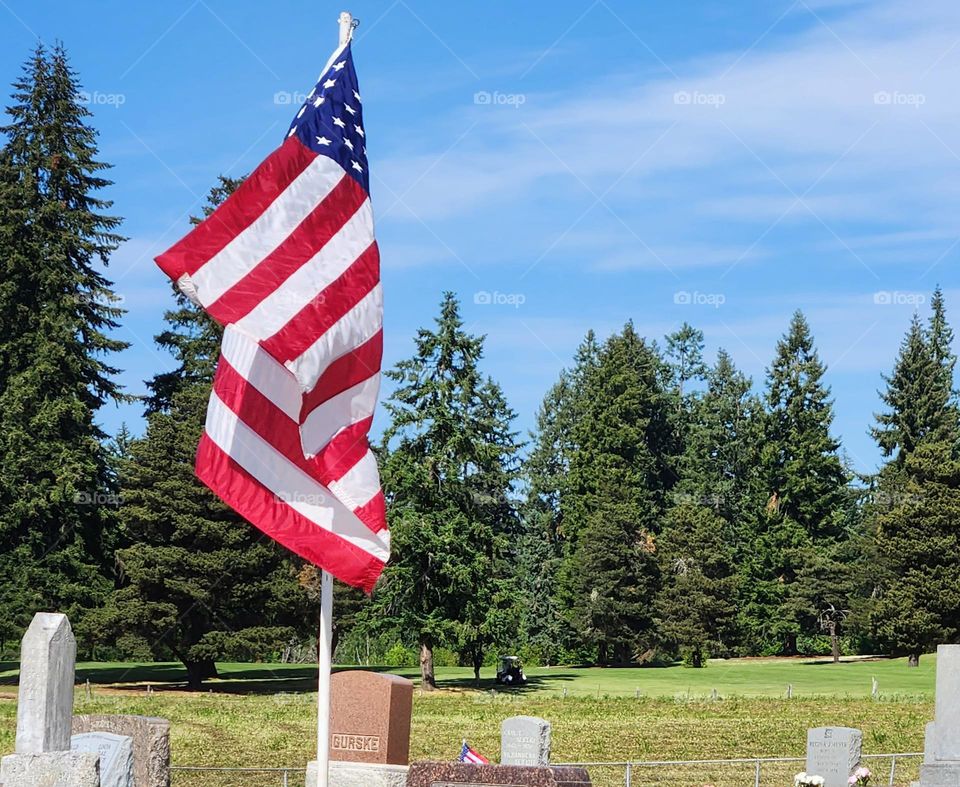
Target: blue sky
{"type": "Point", "coordinates": [564, 165]}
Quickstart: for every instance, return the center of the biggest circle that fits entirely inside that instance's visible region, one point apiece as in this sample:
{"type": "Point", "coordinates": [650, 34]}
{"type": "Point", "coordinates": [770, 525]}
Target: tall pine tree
{"type": "Point", "coordinates": [808, 504]}
{"type": "Point", "coordinates": [546, 538]}
{"type": "Point", "coordinates": [711, 525]}
{"type": "Point", "coordinates": [448, 468]}
{"type": "Point", "coordinates": [916, 500]}
{"type": "Point", "coordinates": [619, 477]}
{"type": "Point", "coordinates": [57, 311]}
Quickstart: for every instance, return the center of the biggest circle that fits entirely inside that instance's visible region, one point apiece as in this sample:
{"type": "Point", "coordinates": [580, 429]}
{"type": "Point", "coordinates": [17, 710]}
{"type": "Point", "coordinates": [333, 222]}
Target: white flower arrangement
{"type": "Point", "coordinates": [805, 779]}
{"type": "Point", "coordinates": [860, 778]}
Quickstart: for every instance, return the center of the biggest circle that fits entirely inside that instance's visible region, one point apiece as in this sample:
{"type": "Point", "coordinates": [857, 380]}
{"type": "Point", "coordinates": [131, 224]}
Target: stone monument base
{"type": "Point", "coordinates": [451, 774]}
{"type": "Point", "coordinates": [942, 774]}
{"type": "Point", "coordinates": [52, 769]}
{"type": "Point", "coordinates": [359, 774]}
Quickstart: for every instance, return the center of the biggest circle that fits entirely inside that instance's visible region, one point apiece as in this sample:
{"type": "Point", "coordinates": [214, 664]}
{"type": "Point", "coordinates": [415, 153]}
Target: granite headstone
{"type": "Point", "coordinates": [455, 774]}
{"type": "Point", "coordinates": [833, 753]}
{"type": "Point", "coordinates": [115, 753]}
{"type": "Point", "coordinates": [370, 717]}
{"type": "Point", "coordinates": [525, 740]}
{"type": "Point", "coordinates": [151, 743]}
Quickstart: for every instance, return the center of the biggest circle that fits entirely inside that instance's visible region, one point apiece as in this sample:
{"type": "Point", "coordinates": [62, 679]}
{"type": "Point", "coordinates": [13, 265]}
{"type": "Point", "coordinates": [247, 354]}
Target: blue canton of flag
{"type": "Point", "coordinates": [330, 122]}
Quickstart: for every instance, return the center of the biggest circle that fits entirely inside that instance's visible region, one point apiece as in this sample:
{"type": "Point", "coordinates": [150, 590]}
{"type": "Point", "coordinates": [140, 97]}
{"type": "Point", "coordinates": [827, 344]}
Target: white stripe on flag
{"type": "Point", "coordinates": [357, 326]}
{"type": "Point", "coordinates": [359, 484]}
{"type": "Point", "coordinates": [337, 413]}
{"type": "Point", "coordinates": [288, 482]}
{"type": "Point", "coordinates": [325, 267]}
{"type": "Point", "coordinates": [262, 371]}
{"type": "Point", "coordinates": [268, 231]}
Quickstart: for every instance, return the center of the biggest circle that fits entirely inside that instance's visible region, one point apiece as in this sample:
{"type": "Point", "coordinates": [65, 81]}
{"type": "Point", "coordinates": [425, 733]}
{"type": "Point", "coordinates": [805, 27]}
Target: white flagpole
{"type": "Point", "coordinates": [323, 685]}
{"type": "Point", "coordinates": [324, 654]}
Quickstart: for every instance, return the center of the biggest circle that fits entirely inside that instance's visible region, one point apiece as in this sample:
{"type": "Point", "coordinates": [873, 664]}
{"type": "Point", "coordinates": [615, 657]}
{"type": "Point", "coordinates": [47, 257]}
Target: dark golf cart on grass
{"type": "Point", "coordinates": [510, 671]}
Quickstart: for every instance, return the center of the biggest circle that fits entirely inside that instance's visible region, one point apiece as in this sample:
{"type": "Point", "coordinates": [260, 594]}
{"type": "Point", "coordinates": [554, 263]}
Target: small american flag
{"type": "Point", "coordinates": [289, 265]}
{"type": "Point", "coordinates": [469, 755]}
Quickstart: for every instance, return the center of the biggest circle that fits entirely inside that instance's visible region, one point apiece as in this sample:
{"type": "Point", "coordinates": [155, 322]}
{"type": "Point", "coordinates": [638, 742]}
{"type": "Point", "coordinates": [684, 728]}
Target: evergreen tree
{"type": "Point", "coordinates": [619, 476]}
{"type": "Point", "coordinates": [719, 487]}
{"type": "Point", "coordinates": [685, 355]}
{"type": "Point", "coordinates": [546, 540]}
{"type": "Point", "coordinates": [808, 503]}
{"type": "Point", "coordinates": [696, 609]}
{"type": "Point", "coordinates": [57, 310]}
{"type": "Point", "coordinates": [447, 474]}
{"type": "Point", "coordinates": [198, 583]}
{"type": "Point", "coordinates": [917, 395]}
{"type": "Point", "coordinates": [916, 499]}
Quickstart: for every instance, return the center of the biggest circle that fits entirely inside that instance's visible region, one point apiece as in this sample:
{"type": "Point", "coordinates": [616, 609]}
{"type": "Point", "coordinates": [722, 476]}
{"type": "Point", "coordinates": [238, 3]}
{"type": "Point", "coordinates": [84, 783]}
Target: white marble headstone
{"type": "Point", "coordinates": [116, 756]}
{"type": "Point", "coordinates": [833, 753]}
{"type": "Point", "coordinates": [525, 740]}
{"type": "Point", "coordinates": [48, 654]}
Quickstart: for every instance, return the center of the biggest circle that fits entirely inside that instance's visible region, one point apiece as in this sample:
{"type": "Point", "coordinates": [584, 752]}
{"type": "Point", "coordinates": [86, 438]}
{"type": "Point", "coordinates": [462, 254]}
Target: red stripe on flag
{"type": "Point", "coordinates": [347, 448]}
{"type": "Point", "coordinates": [252, 198]}
{"type": "Point", "coordinates": [345, 372]}
{"type": "Point", "coordinates": [311, 235]}
{"type": "Point", "coordinates": [318, 316]}
{"type": "Point", "coordinates": [261, 415]}
{"type": "Point", "coordinates": [374, 513]}
{"type": "Point", "coordinates": [263, 509]}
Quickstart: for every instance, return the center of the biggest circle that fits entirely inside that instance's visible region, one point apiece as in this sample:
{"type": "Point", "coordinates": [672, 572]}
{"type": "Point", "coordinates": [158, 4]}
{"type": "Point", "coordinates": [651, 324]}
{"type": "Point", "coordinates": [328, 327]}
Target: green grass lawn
{"type": "Point", "coordinates": [736, 677]}
{"type": "Point", "coordinates": [264, 714]}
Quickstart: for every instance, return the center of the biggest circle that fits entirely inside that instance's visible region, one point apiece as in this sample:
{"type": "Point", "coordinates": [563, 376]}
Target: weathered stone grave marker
{"type": "Point", "coordinates": [941, 757]}
{"type": "Point", "coordinates": [115, 753]}
{"type": "Point", "coordinates": [48, 654]}
{"type": "Point", "coordinates": [151, 744]}
{"type": "Point", "coordinates": [525, 740]}
{"type": "Point", "coordinates": [833, 753]}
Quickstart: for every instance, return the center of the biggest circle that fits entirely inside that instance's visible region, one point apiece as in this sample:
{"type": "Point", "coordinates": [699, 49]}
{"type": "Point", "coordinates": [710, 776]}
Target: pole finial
{"type": "Point", "coordinates": [347, 23]}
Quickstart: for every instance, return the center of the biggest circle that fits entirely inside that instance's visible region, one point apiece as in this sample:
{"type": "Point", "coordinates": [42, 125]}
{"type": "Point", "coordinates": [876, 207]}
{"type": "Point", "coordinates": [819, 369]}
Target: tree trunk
{"type": "Point", "coordinates": [602, 654]}
{"type": "Point", "coordinates": [696, 658]}
{"type": "Point", "coordinates": [428, 681]}
{"type": "Point", "coordinates": [835, 647]}
{"type": "Point", "coordinates": [477, 663]}
{"type": "Point", "coordinates": [913, 660]}
{"type": "Point", "coordinates": [198, 671]}
{"type": "Point", "coordinates": [790, 645]}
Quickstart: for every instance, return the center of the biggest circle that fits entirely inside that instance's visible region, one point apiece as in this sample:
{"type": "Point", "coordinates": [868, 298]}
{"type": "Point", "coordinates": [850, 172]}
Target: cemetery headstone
{"type": "Point", "coordinates": [44, 706]}
{"type": "Point", "coordinates": [48, 654]}
{"type": "Point", "coordinates": [369, 730]}
{"type": "Point", "coordinates": [51, 769]}
{"type": "Point", "coordinates": [370, 717]}
{"type": "Point", "coordinates": [525, 740]}
{"type": "Point", "coordinates": [115, 753]}
{"type": "Point", "coordinates": [151, 744]}
{"type": "Point", "coordinates": [833, 753]}
{"type": "Point", "coordinates": [455, 774]}
{"type": "Point", "coordinates": [941, 761]}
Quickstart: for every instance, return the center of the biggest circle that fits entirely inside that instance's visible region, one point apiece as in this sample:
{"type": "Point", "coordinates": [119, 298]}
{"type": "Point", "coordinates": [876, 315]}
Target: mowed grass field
{"type": "Point", "coordinates": [264, 715]}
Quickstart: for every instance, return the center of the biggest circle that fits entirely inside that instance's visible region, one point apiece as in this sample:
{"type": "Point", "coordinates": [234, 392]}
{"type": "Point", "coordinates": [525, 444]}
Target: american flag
{"type": "Point", "coordinates": [288, 264]}
{"type": "Point", "coordinates": [469, 755]}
